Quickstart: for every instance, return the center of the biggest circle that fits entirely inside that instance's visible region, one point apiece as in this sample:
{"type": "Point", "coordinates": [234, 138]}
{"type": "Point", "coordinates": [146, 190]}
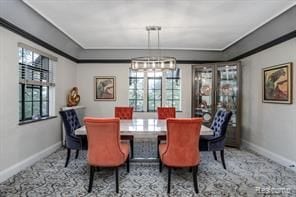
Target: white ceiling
{"type": "Point", "coordinates": [186, 24]}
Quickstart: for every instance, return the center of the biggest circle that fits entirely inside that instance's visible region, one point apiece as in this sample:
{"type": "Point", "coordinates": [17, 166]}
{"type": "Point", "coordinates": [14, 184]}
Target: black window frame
{"type": "Point", "coordinates": [154, 90]}
{"type": "Point", "coordinates": [135, 89]}
{"type": "Point", "coordinates": [43, 68]}
{"type": "Point", "coordinates": [173, 90]}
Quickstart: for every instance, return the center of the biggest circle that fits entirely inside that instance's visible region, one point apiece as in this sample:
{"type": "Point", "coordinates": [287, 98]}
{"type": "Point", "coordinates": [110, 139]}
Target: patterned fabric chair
{"type": "Point", "coordinates": [104, 146]}
{"type": "Point", "coordinates": [126, 113]}
{"type": "Point", "coordinates": [181, 148]}
{"type": "Point", "coordinates": [216, 142]}
{"type": "Point", "coordinates": [77, 143]}
{"type": "Point", "coordinates": [164, 113]}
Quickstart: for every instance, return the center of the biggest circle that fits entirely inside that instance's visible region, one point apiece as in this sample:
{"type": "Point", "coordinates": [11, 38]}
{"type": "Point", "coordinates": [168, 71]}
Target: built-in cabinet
{"type": "Point", "coordinates": [216, 86]}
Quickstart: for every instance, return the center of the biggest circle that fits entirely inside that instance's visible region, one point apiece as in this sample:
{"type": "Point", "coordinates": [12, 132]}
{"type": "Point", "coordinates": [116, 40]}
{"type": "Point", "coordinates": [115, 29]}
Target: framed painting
{"type": "Point", "coordinates": [105, 89]}
{"type": "Point", "coordinates": [277, 84]}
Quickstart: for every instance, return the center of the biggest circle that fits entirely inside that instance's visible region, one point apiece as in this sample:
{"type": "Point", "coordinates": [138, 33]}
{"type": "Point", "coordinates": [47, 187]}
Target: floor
{"type": "Point", "coordinates": [247, 174]}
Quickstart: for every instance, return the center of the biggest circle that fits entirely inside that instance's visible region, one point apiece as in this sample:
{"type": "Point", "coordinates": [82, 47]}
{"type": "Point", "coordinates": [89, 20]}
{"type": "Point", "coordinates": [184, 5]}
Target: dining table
{"type": "Point", "coordinates": [144, 128]}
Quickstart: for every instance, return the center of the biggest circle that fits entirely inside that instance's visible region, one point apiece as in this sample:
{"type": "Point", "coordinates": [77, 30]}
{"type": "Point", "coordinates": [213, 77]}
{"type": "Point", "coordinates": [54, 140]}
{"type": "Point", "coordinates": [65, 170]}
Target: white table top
{"type": "Point", "coordinates": [144, 128]}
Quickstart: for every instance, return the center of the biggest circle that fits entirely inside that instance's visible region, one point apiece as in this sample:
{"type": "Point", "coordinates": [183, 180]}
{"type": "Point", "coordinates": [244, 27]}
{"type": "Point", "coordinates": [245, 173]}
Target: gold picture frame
{"type": "Point", "coordinates": [277, 84]}
{"type": "Point", "coordinates": [105, 88]}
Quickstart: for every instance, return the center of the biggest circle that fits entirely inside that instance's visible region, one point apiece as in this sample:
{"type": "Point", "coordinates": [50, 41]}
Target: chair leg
{"type": "Point", "coordinates": [215, 155]}
{"type": "Point", "coordinates": [68, 157]}
{"type": "Point", "coordinates": [169, 179]}
{"type": "Point", "coordinates": [91, 178]}
{"type": "Point", "coordinates": [77, 153]}
{"type": "Point", "coordinates": [160, 165]}
{"type": "Point", "coordinates": [132, 148]}
{"type": "Point", "coordinates": [158, 142]}
{"type": "Point", "coordinates": [116, 180]}
{"type": "Point", "coordinates": [222, 159]}
{"type": "Point", "coordinates": [194, 174]}
{"type": "Point", "coordinates": [127, 164]}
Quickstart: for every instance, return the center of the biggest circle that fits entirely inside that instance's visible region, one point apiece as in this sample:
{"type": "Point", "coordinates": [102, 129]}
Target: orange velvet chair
{"type": "Point", "coordinates": [104, 146]}
{"type": "Point", "coordinates": [164, 113]}
{"type": "Point", "coordinates": [126, 113]}
{"type": "Point", "coordinates": [182, 147]}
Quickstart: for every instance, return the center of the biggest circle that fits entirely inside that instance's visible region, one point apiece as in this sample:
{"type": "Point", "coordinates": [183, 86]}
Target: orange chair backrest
{"type": "Point", "coordinates": [103, 141]}
{"type": "Point", "coordinates": [166, 112]}
{"type": "Point", "coordinates": [182, 142]}
{"type": "Point", "coordinates": [124, 112]}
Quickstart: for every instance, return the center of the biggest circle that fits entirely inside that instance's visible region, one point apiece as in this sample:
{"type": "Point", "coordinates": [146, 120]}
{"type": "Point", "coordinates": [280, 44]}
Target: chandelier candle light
{"type": "Point", "coordinates": [153, 63]}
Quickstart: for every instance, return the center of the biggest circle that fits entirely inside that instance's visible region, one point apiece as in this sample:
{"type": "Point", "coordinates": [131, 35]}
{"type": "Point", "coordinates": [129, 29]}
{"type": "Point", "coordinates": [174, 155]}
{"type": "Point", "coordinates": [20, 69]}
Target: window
{"type": "Point", "coordinates": [35, 83]}
{"type": "Point", "coordinates": [149, 90]}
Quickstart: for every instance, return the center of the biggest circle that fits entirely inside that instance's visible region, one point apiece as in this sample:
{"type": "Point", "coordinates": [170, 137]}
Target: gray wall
{"type": "Point", "coordinates": [24, 17]}
{"type": "Point", "coordinates": [281, 25]}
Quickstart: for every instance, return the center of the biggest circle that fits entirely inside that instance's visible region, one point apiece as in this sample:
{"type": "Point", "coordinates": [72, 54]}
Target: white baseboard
{"type": "Point", "coordinates": [273, 156]}
{"type": "Point", "coordinates": [12, 170]}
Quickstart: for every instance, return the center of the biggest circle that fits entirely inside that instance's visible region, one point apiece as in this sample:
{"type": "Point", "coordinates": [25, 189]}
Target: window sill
{"type": "Point", "coordinates": [37, 120]}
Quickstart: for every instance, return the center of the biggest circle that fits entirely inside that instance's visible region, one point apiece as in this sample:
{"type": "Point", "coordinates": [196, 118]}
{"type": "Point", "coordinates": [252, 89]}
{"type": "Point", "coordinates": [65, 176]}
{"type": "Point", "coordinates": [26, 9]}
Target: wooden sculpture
{"type": "Point", "coordinates": [73, 97]}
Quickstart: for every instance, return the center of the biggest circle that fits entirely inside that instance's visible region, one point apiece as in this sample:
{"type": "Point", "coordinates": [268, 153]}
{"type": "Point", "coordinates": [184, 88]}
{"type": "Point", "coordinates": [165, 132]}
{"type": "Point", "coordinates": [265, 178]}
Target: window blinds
{"type": "Point", "coordinates": [35, 67]}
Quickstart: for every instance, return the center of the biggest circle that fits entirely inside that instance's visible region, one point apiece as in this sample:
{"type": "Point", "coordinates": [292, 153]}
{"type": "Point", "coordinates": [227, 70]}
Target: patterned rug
{"type": "Point", "coordinates": [247, 174]}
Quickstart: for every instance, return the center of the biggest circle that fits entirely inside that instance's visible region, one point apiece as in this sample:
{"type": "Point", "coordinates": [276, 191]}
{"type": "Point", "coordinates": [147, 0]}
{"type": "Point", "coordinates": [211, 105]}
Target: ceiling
{"type": "Point", "coordinates": [186, 24]}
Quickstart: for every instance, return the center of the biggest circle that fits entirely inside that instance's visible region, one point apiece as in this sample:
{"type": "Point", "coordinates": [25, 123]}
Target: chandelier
{"type": "Point", "coordinates": [153, 63]}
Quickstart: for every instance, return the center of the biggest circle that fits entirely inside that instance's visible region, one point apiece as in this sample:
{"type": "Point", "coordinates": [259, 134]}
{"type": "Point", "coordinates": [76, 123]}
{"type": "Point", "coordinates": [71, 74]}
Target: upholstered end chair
{"type": "Point", "coordinates": [73, 142]}
{"type": "Point", "coordinates": [126, 113]}
{"type": "Point", "coordinates": [217, 141]}
{"type": "Point", "coordinates": [181, 147]}
{"type": "Point", "coordinates": [104, 146]}
{"type": "Point", "coordinates": [164, 113]}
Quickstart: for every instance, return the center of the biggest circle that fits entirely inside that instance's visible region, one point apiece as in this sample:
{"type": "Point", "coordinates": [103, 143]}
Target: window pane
{"type": "Point", "coordinates": [154, 83]}
{"type": "Point", "coordinates": [28, 110]}
{"type": "Point", "coordinates": [132, 94]}
{"type": "Point", "coordinates": [132, 83]}
{"type": "Point", "coordinates": [20, 92]}
{"type": "Point", "coordinates": [45, 76]}
{"type": "Point", "coordinates": [20, 55]}
{"type": "Point", "coordinates": [140, 105]}
{"type": "Point", "coordinates": [45, 63]}
{"type": "Point", "coordinates": [131, 103]}
{"type": "Point", "coordinates": [157, 104]}
{"type": "Point", "coordinates": [36, 109]}
{"type": "Point", "coordinates": [45, 108]}
{"type": "Point", "coordinates": [177, 95]}
{"type": "Point", "coordinates": [20, 111]}
{"type": "Point", "coordinates": [45, 94]}
{"type": "Point", "coordinates": [169, 83]}
{"type": "Point", "coordinates": [36, 94]}
{"type": "Point", "coordinates": [28, 94]}
{"type": "Point", "coordinates": [37, 60]}
{"type": "Point", "coordinates": [36, 75]}
{"type": "Point", "coordinates": [27, 57]}
{"type": "Point", "coordinates": [151, 95]}
{"type": "Point", "coordinates": [157, 94]}
{"type": "Point", "coordinates": [140, 94]}
{"type": "Point", "coordinates": [151, 106]}
{"type": "Point", "coordinates": [169, 94]}
{"type": "Point", "coordinates": [176, 84]}
{"type": "Point", "coordinates": [154, 74]}
{"type": "Point", "coordinates": [140, 83]}
{"type": "Point", "coordinates": [169, 103]}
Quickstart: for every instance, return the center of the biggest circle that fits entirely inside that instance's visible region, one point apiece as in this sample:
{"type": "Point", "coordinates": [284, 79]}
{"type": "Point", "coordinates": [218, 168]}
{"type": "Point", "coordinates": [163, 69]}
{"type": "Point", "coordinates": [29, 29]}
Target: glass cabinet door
{"type": "Point", "coordinates": [227, 90]}
{"type": "Point", "coordinates": [203, 93]}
